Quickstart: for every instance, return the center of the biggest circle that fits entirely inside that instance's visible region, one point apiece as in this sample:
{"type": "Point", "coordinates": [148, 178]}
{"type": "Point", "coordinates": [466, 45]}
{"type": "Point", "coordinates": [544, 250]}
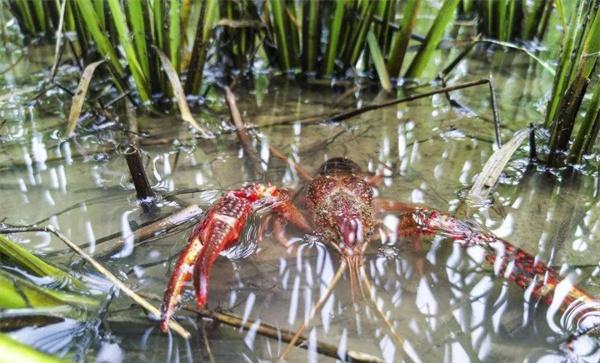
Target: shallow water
{"type": "Point", "coordinates": [444, 303]}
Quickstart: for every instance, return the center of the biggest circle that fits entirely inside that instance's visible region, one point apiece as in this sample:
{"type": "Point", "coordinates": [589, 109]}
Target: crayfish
{"type": "Point", "coordinates": [339, 206]}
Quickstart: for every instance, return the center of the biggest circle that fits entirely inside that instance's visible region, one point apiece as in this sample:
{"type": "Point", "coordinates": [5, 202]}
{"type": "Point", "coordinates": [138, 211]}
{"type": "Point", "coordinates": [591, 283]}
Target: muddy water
{"type": "Point", "coordinates": [443, 303]}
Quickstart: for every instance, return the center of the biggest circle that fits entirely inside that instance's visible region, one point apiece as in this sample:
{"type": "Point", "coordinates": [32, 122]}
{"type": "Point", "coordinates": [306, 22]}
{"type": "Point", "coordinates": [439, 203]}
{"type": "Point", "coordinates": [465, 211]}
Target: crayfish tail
{"type": "Point", "coordinates": [181, 275]}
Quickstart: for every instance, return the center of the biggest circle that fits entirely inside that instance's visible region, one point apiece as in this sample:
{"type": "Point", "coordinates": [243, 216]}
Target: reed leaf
{"type": "Point", "coordinates": [175, 34]}
{"type": "Point", "coordinates": [184, 108]}
{"type": "Point", "coordinates": [279, 19]}
{"type": "Point", "coordinates": [120, 22]}
{"type": "Point", "coordinates": [137, 20]}
{"type": "Point", "coordinates": [104, 46]}
{"type": "Point", "coordinates": [32, 263]}
{"type": "Point", "coordinates": [14, 351]}
{"type": "Point", "coordinates": [18, 293]}
{"type": "Point", "coordinates": [364, 26]}
{"type": "Point", "coordinates": [401, 39]}
{"type": "Point", "coordinates": [433, 38]}
{"type": "Point", "coordinates": [588, 131]}
{"type": "Point", "coordinates": [379, 62]}
{"type": "Point", "coordinates": [79, 98]}
{"type": "Point", "coordinates": [334, 37]}
{"type": "Point", "coordinates": [40, 14]}
{"type": "Point", "coordinates": [99, 6]}
{"type": "Point", "coordinates": [311, 36]}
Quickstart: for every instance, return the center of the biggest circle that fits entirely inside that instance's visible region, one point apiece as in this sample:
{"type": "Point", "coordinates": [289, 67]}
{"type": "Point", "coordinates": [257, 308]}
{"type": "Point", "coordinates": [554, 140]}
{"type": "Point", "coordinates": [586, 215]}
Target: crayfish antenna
{"type": "Point", "coordinates": [356, 286]}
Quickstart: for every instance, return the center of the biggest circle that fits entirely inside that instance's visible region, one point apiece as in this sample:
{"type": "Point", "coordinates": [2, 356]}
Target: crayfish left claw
{"type": "Point", "coordinates": [181, 275]}
{"type": "Point", "coordinates": [219, 230]}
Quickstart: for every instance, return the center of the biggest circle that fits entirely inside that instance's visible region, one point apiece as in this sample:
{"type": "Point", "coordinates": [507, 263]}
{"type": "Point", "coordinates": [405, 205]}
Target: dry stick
{"type": "Point", "coordinates": [240, 129]}
{"type": "Point", "coordinates": [269, 331]}
{"type": "Point", "coordinates": [314, 311]}
{"type": "Point", "coordinates": [141, 234]}
{"type": "Point", "coordinates": [350, 114]}
{"type": "Point", "coordinates": [145, 194]}
{"type": "Point", "coordinates": [103, 270]}
{"type": "Point", "coordinates": [211, 358]}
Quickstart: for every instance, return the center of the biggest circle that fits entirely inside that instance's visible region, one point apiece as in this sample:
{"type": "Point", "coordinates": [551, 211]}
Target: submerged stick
{"type": "Point", "coordinates": [346, 115]}
{"type": "Point", "coordinates": [143, 233]}
{"type": "Point", "coordinates": [315, 310]}
{"type": "Point", "coordinates": [270, 331]}
{"type": "Point", "coordinates": [145, 194]}
{"type": "Point", "coordinates": [241, 130]}
{"type": "Point", "coordinates": [102, 270]}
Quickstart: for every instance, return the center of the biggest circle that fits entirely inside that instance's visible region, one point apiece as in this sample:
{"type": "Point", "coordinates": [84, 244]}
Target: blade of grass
{"type": "Point", "coordinates": [79, 99]}
{"type": "Point", "coordinates": [18, 293]}
{"type": "Point", "coordinates": [365, 25]}
{"type": "Point", "coordinates": [433, 38]}
{"type": "Point", "coordinates": [26, 259]}
{"type": "Point", "coordinates": [401, 38]}
{"type": "Point", "coordinates": [278, 13]}
{"type": "Point", "coordinates": [311, 36]}
{"type": "Point", "coordinates": [586, 134]}
{"type": "Point", "coordinates": [184, 108]}
{"type": "Point", "coordinates": [334, 36]}
{"type": "Point", "coordinates": [104, 46]}
{"type": "Point", "coordinates": [136, 17]}
{"type": "Point", "coordinates": [565, 63]}
{"type": "Point", "coordinates": [120, 22]}
{"type": "Point", "coordinates": [379, 62]}
{"type": "Point", "coordinates": [99, 6]}
{"type": "Point", "coordinates": [175, 34]}
{"type": "Point", "coordinates": [38, 8]}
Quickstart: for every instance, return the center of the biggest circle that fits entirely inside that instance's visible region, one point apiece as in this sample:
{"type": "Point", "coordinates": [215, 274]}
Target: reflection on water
{"type": "Point", "coordinates": [439, 303]}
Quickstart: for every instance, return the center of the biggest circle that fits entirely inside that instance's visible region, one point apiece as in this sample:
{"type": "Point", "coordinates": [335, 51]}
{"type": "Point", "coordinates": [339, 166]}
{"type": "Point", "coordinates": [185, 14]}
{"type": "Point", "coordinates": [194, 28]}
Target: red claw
{"type": "Point", "coordinates": [219, 230]}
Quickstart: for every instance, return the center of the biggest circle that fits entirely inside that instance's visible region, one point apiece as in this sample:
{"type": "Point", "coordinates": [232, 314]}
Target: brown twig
{"type": "Point", "coordinates": [141, 234]}
{"type": "Point", "coordinates": [241, 130]}
{"type": "Point", "coordinates": [144, 191]}
{"type": "Point", "coordinates": [295, 340]}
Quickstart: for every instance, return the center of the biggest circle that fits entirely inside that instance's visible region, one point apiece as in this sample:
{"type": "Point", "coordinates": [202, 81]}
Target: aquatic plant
{"type": "Point", "coordinates": [576, 77]}
{"type": "Point", "coordinates": [510, 20]}
{"type": "Point", "coordinates": [289, 36]}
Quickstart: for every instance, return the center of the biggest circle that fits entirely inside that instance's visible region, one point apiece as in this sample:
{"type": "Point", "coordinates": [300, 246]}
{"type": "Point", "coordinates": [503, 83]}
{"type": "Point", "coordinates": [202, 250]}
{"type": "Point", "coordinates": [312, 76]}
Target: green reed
{"type": "Point", "coordinates": [577, 76]}
{"type": "Point", "coordinates": [510, 20]}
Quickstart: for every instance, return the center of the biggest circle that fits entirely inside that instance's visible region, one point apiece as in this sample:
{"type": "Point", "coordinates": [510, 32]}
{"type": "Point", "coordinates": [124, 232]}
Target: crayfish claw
{"type": "Point", "coordinates": [181, 275]}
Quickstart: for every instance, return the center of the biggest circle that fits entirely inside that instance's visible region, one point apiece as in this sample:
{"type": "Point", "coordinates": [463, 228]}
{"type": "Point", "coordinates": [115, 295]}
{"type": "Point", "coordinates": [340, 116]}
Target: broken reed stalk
{"type": "Point", "coordinates": [241, 130]}
{"type": "Point", "coordinates": [144, 191]}
{"type": "Point", "coordinates": [346, 115]}
{"type": "Point", "coordinates": [102, 270]}
{"type": "Point", "coordinates": [141, 234]}
{"type": "Point", "coordinates": [315, 310]}
{"type": "Point", "coordinates": [286, 336]}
